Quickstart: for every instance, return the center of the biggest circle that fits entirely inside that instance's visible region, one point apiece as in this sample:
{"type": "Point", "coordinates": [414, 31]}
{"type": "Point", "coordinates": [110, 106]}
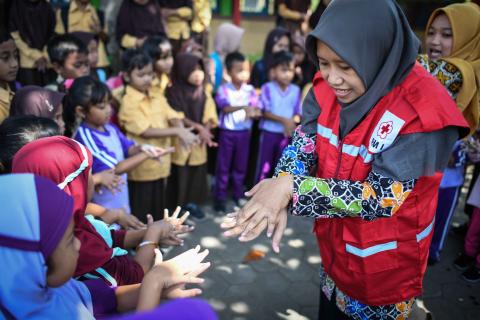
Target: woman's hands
{"type": "Point", "coordinates": [267, 209]}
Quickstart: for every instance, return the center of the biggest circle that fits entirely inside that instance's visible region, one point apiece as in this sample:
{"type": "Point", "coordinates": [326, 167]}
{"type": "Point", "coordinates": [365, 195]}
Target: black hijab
{"type": "Point", "coordinates": [375, 39]}
{"type": "Point", "coordinates": [182, 95]}
{"type": "Point", "coordinates": [34, 21]}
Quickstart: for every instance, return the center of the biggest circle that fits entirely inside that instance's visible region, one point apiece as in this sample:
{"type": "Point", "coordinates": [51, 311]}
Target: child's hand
{"type": "Point", "coordinates": [179, 227]}
{"type": "Point", "coordinates": [187, 137]}
{"type": "Point", "coordinates": [175, 273]}
{"type": "Point", "coordinates": [289, 126]}
{"type": "Point", "coordinates": [206, 137]}
{"type": "Point", "coordinates": [251, 112]}
{"type": "Point", "coordinates": [157, 230]}
{"type": "Point", "coordinates": [156, 152]}
{"type": "Point", "coordinates": [128, 221]}
{"type": "Point", "coordinates": [109, 180]}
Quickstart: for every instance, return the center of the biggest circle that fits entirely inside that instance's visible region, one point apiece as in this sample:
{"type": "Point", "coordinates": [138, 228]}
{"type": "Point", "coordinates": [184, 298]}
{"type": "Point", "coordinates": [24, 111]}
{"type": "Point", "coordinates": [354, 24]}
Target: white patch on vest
{"type": "Point", "coordinates": [385, 132]}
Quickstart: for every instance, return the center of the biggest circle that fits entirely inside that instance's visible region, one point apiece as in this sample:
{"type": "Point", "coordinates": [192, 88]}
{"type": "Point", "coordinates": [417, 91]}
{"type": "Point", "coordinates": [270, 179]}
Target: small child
{"type": "Point", "coordinates": [8, 71]}
{"type": "Point", "coordinates": [89, 99]}
{"type": "Point", "coordinates": [91, 41]}
{"type": "Point", "coordinates": [159, 49]}
{"type": "Point", "coordinates": [46, 260]}
{"type": "Point", "coordinates": [40, 102]}
{"type": "Point", "coordinates": [238, 104]}
{"type": "Point", "coordinates": [281, 105]}
{"type": "Point", "coordinates": [69, 58]}
{"type": "Point", "coordinates": [188, 182]}
{"type": "Point", "coordinates": [148, 119]}
{"type": "Point", "coordinates": [31, 24]}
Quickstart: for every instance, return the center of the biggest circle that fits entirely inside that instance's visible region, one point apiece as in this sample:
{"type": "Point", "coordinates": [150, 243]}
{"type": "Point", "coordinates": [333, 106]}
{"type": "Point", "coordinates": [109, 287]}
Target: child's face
{"type": "Point", "coordinates": [8, 61]}
{"type": "Point", "coordinates": [58, 118]}
{"type": "Point", "coordinates": [439, 40]}
{"type": "Point", "coordinates": [197, 77]}
{"type": "Point", "coordinates": [240, 72]}
{"type": "Point", "coordinates": [165, 63]}
{"type": "Point", "coordinates": [63, 261]}
{"type": "Point", "coordinates": [141, 79]}
{"type": "Point", "coordinates": [99, 114]}
{"type": "Point", "coordinates": [284, 74]}
{"type": "Point", "coordinates": [340, 76]}
{"type": "Point", "coordinates": [298, 55]}
{"type": "Point", "coordinates": [76, 65]}
{"type": "Point", "coordinates": [283, 44]}
{"type": "Point", "coordinates": [93, 53]}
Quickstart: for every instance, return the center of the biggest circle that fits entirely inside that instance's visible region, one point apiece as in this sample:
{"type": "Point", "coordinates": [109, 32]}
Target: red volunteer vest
{"type": "Point", "coordinates": [382, 261]}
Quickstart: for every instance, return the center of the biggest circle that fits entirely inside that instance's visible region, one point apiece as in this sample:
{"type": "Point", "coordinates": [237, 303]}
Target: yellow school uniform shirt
{"type": "Point", "coordinates": [138, 112]}
{"type": "Point", "coordinates": [6, 96]}
{"type": "Point", "coordinates": [81, 20]}
{"type": "Point", "coordinates": [202, 15]}
{"type": "Point", "coordinates": [178, 26]}
{"type": "Point", "coordinates": [28, 55]}
{"type": "Point", "coordinates": [159, 84]}
{"type": "Point", "coordinates": [197, 155]}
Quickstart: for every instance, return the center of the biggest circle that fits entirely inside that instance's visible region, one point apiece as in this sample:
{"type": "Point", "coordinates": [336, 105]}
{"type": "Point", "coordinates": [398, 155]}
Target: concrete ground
{"type": "Point", "coordinates": [285, 285]}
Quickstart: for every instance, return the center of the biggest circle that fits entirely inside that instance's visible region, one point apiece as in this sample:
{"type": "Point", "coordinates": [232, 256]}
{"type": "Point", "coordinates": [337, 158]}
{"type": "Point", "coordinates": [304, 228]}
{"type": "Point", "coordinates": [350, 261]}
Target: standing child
{"type": "Point", "coordinates": [238, 104]}
{"type": "Point", "coordinates": [69, 58]}
{"type": "Point", "coordinates": [81, 16]}
{"type": "Point", "coordinates": [89, 100]}
{"type": "Point", "coordinates": [8, 72]}
{"type": "Point", "coordinates": [159, 49]}
{"type": "Point", "coordinates": [148, 119]}
{"type": "Point", "coordinates": [188, 182]}
{"type": "Point", "coordinates": [137, 20]}
{"type": "Point", "coordinates": [32, 24]}
{"type": "Point", "coordinates": [280, 101]}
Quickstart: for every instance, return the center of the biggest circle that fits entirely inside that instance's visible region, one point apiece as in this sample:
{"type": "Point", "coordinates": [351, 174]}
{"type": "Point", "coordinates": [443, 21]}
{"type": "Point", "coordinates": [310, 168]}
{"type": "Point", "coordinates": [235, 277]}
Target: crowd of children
{"type": "Point", "coordinates": [130, 144]}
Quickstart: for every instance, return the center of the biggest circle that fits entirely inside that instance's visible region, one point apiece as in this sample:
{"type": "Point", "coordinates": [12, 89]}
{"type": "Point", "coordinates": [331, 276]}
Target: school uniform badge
{"type": "Point", "coordinates": [385, 132]}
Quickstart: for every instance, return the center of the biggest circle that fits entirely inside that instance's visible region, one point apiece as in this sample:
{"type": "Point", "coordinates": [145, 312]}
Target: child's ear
{"type": "Point", "coordinates": [80, 112]}
{"type": "Point", "coordinates": [57, 67]}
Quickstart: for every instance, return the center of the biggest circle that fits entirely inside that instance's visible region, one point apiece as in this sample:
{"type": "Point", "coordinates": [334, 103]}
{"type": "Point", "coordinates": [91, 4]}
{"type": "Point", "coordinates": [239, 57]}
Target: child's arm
{"type": "Point", "coordinates": [289, 125]}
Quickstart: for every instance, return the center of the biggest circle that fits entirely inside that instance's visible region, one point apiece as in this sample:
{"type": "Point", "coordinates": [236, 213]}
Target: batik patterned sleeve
{"type": "Point", "coordinates": [445, 72]}
{"type": "Point", "coordinates": [376, 197]}
{"type": "Point", "coordinates": [299, 157]}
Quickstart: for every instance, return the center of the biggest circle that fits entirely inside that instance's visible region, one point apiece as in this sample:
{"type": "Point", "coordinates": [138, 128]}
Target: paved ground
{"type": "Point", "coordinates": [285, 286]}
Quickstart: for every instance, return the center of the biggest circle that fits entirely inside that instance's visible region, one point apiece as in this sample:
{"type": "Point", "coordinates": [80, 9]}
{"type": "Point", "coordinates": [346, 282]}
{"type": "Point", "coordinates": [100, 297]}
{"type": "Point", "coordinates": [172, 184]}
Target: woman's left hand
{"type": "Point", "coordinates": [265, 209]}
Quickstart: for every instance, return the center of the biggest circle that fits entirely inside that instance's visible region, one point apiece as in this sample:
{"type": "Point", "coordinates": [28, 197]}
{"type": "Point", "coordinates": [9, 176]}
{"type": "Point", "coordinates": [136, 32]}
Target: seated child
{"type": "Point", "coordinates": [69, 58]}
{"type": "Point", "coordinates": [89, 100]}
{"type": "Point", "coordinates": [281, 105]}
{"type": "Point", "coordinates": [41, 257]}
{"type": "Point", "coordinates": [148, 119]}
{"type": "Point", "coordinates": [8, 72]}
{"type": "Point", "coordinates": [188, 182]}
{"type": "Point", "coordinates": [238, 105]}
{"type": "Point", "coordinates": [68, 164]}
{"type": "Point", "coordinates": [25, 129]}
{"type": "Point", "coordinates": [40, 102]}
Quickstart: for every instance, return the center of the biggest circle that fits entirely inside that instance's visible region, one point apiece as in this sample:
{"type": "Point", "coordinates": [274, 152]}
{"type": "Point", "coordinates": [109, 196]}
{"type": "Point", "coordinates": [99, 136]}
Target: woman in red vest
{"type": "Point", "coordinates": [376, 134]}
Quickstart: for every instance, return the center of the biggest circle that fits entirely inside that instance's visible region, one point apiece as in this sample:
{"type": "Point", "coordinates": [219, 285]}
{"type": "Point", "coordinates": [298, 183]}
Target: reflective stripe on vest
{"type": "Point", "coordinates": [349, 149]}
{"type": "Point", "coordinates": [371, 250]}
{"type": "Point", "coordinates": [422, 235]}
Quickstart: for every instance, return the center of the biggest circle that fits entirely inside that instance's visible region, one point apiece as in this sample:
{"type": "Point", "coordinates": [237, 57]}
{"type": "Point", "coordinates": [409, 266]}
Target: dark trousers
{"type": "Point", "coordinates": [147, 197]}
{"type": "Point", "coordinates": [328, 309]}
{"type": "Point", "coordinates": [187, 184]}
{"type": "Point", "coordinates": [232, 162]}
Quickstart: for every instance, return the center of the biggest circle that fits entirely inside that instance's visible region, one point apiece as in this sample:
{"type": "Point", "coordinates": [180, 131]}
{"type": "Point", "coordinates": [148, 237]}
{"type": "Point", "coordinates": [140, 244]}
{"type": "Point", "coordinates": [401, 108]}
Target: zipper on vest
{"type": "Point", "coordinates": [340, 147]}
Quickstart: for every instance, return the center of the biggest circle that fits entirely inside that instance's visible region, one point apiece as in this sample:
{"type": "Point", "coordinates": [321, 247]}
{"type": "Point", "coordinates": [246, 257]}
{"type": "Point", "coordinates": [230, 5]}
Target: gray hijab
{"type": "Point", "coordinates": [375, 39]}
